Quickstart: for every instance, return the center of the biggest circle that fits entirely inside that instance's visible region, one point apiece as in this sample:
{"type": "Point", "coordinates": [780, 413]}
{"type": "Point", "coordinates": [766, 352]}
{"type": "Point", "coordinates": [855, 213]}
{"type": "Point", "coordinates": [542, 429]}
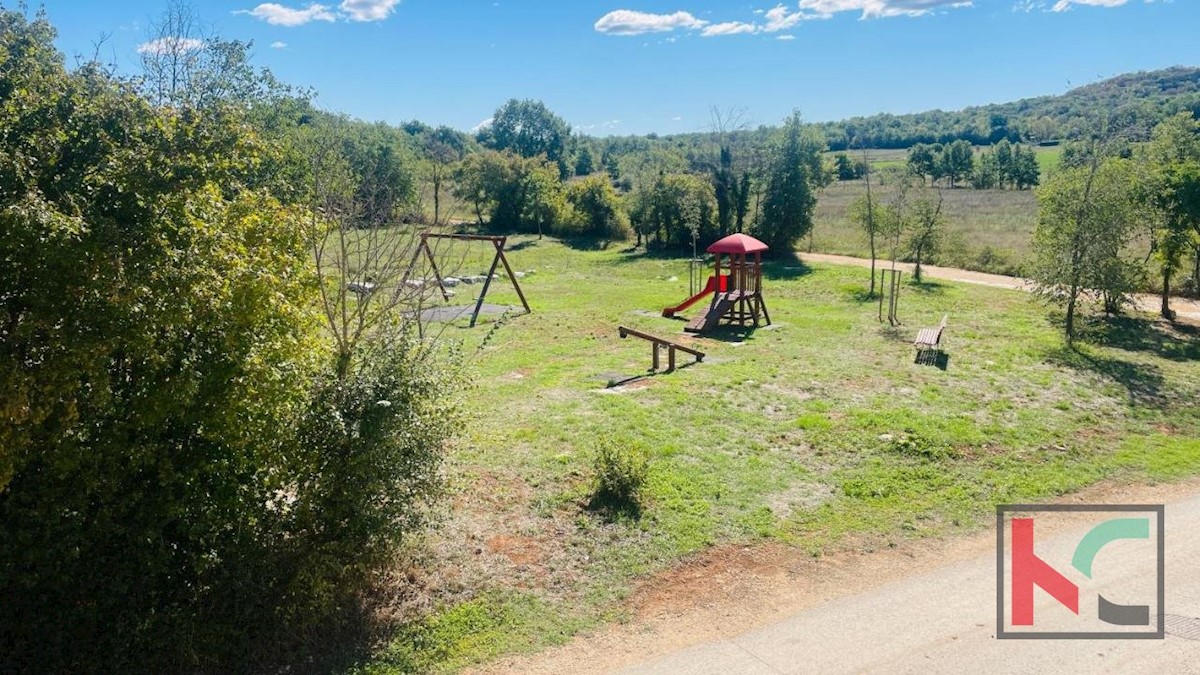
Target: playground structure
{"type": "Point", "coordinates": [497, 242]}
{"type": "Point", "coordinates": [657, 344]}
{"type": "Point", "coordinates": [670, 312]}
{"type": "Point", "coordinates": [737, 296]}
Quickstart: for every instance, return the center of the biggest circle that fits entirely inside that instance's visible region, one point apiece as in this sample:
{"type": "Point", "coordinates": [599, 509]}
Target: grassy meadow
{"type": "Point", "coordinates": [818, 432]}
{"type": "Point", "coordinates": [985, 230]}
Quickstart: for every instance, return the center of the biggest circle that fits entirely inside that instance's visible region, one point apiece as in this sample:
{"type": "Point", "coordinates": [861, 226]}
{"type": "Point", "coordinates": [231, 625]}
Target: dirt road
{"type": "Point", "coordinates": [1188, 310]}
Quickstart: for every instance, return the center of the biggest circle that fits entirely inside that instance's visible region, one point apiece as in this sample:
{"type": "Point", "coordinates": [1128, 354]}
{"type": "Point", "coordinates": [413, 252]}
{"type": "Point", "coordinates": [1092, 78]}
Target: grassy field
{"type": "Point", "coordinates": [815, 432]}
{"type": "Point", "coordinates": [985, 230]}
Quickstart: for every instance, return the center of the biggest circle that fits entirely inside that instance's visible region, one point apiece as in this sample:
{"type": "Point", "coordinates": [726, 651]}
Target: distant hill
{"type": "Point", "coordinates": [1135, 100]}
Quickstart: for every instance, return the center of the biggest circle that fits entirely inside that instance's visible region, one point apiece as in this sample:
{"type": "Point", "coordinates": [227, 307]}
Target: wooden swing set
{"type": "Point", "coordinates": [497, 242]}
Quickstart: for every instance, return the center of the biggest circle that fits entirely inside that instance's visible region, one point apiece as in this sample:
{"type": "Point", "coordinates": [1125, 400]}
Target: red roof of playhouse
{"type": "Point", "coordinates": [737, 244]}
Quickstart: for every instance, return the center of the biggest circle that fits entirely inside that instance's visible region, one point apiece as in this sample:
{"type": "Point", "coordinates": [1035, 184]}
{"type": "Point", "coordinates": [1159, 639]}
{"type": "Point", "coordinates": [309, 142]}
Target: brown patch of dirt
{"type": "Point", "coordinates": [518, 549]}
{"type": "Point", "coordinates": [725, 571]}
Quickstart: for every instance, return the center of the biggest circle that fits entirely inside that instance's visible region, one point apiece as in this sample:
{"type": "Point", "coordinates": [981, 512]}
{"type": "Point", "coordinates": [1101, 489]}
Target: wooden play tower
{"type": "Point", "coordinates": [738, 299]}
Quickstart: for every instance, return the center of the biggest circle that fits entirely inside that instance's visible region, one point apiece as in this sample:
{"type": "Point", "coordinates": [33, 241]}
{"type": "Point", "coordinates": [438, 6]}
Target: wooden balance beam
{"type": "Point", "coordinates": [657, 343]}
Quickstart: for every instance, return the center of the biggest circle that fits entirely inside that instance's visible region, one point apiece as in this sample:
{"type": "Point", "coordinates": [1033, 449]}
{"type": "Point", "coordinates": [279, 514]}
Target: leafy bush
{"type": "Point", "coordinates": [598, 211]}
{"type": "Point", "coordinates": [914, 444]}
{"type": "Point", "coordinates": [512, 193]}
{"type": "Point", "coordinates": [186, 471]}
{"type": "Point", "coordinates": [621, 469]}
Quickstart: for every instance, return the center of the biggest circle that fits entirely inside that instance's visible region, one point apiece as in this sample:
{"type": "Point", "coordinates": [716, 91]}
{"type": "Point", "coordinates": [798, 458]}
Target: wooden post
{"type": "Point", "coordinates": [717, 272]}
{"type": "Point", "coordinates": [654, 350]}
{"type": "Point", "coordinates": [437, 274]}
{"type": "Point", "coordinates": [500, 252]}
{"type": "Point", "coordinates": [670, 358]}
{"type": "Point", "coordinates": [486, 284]}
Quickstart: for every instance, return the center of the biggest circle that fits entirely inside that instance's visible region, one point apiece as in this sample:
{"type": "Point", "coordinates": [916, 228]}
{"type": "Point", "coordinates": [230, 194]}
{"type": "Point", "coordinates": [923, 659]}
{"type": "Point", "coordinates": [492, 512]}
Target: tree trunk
{"type": "Point", "coordinates": [873, 264]}
{"type": "Point", "coordinates": [1196, 274]}
{"type": "Point", "coordinates": [917, 270]}
{"type": "Point", "coordinates": [1071, 315]}
{"type": "Point", "coordinates": [437, 185]}
{"type": "Point", "coordinates": [1166, 296]}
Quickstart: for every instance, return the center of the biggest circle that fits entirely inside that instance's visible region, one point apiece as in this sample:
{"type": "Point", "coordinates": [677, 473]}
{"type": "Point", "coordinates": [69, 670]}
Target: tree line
{"type": "Point", "coordinates": [526, 182]}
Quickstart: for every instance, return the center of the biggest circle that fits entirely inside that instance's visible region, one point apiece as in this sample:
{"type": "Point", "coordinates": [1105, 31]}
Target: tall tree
{"type": "Point", "coordinates": [922, 161]}
{"type": "Point", "coordinates": [795, 176]}
{"type": "Point", "coordinates": [1173, 154]}
{"type": "Point", "coordinates": [869, 215]}
{"type": "Point", "coordinates": [442, 148]}
{"type": "Point", "coordinates": [1086, 218]}
{"type": "Point", "coordinates": [527, 128]}
{"type": "Point", "coordinates": [957, 161]}
{"type": "Point", "coordinates": [926, 233]}
{"type": "Point", "coordinates": [725, 126]}
{"type": "Point", "coordinates": [742, 201]}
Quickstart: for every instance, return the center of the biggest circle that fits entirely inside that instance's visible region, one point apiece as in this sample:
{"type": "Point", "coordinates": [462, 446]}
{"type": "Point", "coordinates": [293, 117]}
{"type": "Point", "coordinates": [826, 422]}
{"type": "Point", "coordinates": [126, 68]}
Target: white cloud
{"type": "Point", "coordinates": [780, 18]}
{"type": "Point", "coordinates": [170, 45]}
{"type": "Point", "coordinates": [629, 22]}
{"type": "Point", "coordinates": [610, 124]}
{"type": "Point", "coordinates": [786, 36]}
{"type": "Point", "coordinates": [729, 28]}
{"type": "Point", "coordinates": [872, 9]}
{"type": "Point", "coordinates": [368, 10]}
{"type": "Point", "coordinates": [1064, 5]}
{"type": "Point", "coordinates": [482, 125]}
{"type": "Point", "coordinates": [278, 15]}
{"type": "Point", "coordinates": [278, 45]}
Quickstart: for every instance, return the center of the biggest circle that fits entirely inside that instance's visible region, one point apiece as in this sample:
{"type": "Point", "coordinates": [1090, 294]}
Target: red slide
{"type": "Point", "coordinates": [708, 288]}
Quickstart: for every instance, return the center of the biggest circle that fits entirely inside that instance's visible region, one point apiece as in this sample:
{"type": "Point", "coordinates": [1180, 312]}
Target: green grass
{"type": "Point", "coordinates": [1049, 160]}
{"type": "Point", "coordinates": [819, 429]}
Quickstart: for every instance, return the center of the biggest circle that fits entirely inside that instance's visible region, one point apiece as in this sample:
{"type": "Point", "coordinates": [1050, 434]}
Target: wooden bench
{"type": "Point", "coordinates": [658, 343]}
{"type": "Point", "coordinates": [929, 340]}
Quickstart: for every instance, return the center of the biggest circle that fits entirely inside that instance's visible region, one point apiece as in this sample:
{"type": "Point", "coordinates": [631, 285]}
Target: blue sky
{"type": "Point", "coordinates": [636, 66]}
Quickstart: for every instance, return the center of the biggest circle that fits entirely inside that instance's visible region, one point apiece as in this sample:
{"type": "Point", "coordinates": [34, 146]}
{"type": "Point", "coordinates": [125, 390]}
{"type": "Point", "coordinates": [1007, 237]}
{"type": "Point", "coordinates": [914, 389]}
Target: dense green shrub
{"type": "Point", "coordinates": [512, 193]}
{"type": "Point", "coordinates": [597, 209]}
{"type": "Point", "coordinates": [186, 473]}
{"type": "Point", "coordinates": [674, 209]}
{"type": "Point", "coordinates": [621, 469]}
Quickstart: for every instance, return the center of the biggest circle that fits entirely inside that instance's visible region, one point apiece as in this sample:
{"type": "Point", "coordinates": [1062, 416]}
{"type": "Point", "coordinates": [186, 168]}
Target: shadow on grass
{"type": "Point", "coordinates": [1175, 342]}
{"type": "Point", "coordinates": [785, 265]}
{"type": "Point", "coordinates": [926, 287]}
{"type": "Point", "coordinates": [856, 293]}
{"type": "Point", "coordinates": [345, 638]}
{"type": "Point", "coordinates": [623, 380]}
{"type": "Point", "coordinates": [528, 243]}
{"type": "Point", "coordinates": [634, 253]}
{"type": "Point", "coordinates": [728, 333]}
{"type": "Point", "coordinates": [613, 508]}
{"type": "Point", "coordinates": [1143, 382]}
{"type": "Point", "coordinates": [581, 243]}
{"type": "Point", "coordinates": [932, 357]}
